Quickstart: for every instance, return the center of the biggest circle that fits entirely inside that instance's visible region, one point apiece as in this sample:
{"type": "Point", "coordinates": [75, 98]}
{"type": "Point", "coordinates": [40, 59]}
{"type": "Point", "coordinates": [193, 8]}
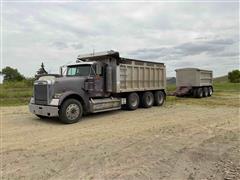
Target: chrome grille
{"type": "Point", "coordinates": [41, 93]}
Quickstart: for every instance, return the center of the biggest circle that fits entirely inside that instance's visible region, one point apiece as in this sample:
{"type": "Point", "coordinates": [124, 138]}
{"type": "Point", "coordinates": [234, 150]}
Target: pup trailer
{"type": "Point", "coordinates": [194, 82]}
{"type": "Point", "coordinates": [99, 82]}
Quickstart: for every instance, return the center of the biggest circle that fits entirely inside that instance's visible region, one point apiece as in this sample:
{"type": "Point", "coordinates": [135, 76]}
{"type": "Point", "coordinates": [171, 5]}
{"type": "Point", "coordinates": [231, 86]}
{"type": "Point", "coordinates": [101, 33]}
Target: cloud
{"type": "Point", "coordinates": [174, 33]}
{"type": "Point", "coordinates": [213, 47]}
{"type": "Point", "coordinates": [60, 45]}
{"type": "Point", "coordinates": [77, 46]}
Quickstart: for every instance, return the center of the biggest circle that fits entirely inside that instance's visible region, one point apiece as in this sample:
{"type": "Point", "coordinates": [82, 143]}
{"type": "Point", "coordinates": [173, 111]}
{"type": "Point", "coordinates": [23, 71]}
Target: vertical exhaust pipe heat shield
{"type": "Point", "coordinates": [109, 79]}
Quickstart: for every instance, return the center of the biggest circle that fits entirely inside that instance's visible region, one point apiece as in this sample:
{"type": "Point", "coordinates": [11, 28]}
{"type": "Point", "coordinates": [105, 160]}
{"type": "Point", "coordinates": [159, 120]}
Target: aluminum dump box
{"type": "Point", "coordinates": [193, 77]}
{"type": "Point", "coordinates": [141, 75]}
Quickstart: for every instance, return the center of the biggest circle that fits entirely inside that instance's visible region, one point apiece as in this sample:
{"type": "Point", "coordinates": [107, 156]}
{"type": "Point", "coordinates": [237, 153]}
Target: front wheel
{"type": "Point", "coordinates": [71, 111]}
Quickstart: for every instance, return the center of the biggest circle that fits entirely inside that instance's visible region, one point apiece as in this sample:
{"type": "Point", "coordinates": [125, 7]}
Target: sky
{"type": "Point", "coordinates": [178, 33]}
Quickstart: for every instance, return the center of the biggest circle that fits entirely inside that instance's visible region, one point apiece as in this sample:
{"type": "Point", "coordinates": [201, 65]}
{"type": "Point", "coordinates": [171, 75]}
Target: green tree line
{"type": "Point", "coordinates": [234, 76]}
{"type": "Point", "coordinates": [12, 75]}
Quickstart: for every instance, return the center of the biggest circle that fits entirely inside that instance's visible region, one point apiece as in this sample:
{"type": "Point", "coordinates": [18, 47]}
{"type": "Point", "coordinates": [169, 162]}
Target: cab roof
{"type": "Point", "coordinates": [82, 63]}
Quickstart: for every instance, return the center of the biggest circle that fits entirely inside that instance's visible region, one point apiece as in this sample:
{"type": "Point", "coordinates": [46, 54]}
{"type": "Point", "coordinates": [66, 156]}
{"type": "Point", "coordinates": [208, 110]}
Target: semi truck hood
{"type": "Point", "coordinates": [63, 84]}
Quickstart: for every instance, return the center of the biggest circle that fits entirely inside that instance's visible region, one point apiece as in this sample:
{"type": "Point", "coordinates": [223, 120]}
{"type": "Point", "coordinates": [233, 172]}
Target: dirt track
{"type": "Point", "coordinates": [171, 142]}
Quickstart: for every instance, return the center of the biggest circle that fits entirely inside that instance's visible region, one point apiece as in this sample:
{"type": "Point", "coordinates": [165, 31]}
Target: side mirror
{"type": "Point", "coordinates": [61, 71]}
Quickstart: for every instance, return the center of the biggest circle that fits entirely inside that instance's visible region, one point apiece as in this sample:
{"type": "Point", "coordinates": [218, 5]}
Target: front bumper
{"type": "Point", "coordinates": [49, 111]}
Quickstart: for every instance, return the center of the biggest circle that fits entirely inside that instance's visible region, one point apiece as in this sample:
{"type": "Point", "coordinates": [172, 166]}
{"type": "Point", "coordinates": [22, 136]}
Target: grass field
{"type": "Point", "coordinates": [15, 93]}
{"type": "Point", "coordinates": [225, 93]}
{"type": "Point", "coordinates": [19, 93]}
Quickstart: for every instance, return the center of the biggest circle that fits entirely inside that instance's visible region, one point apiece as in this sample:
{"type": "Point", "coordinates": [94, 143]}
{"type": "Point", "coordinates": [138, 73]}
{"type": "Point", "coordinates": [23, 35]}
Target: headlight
{"type": "Point", "coordinates": [32, 100]}
{"type": "Point", "coordinates": [54, 102]}
{"type": "Point", "coordinates": [57, 95]}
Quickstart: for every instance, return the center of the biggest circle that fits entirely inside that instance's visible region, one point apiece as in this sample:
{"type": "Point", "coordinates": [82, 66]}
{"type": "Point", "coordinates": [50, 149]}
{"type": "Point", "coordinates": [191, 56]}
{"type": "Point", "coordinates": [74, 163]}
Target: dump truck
{"type": "Point", "coordinates": [194, 82]}
{"type": "Point", "coordinates": [99, 82]}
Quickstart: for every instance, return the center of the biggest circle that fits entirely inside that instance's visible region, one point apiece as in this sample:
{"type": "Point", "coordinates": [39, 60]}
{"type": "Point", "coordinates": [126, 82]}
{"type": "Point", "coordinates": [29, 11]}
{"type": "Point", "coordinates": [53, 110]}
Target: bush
{"type": "Point", "coordinates": [11, 74]}
{"type": "Point", "coordinates": [234, 76]}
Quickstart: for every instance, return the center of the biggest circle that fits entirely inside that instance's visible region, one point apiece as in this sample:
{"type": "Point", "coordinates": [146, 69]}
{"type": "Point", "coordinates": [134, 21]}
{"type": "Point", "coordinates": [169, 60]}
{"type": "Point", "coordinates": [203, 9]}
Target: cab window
{"type": "Point", "coordinates": [82, 70]}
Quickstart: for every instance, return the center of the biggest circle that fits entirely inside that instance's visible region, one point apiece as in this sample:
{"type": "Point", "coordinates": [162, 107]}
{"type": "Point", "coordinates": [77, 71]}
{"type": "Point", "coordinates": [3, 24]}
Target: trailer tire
{"type": "Point", "coordinates": [210, 91]}
{"type": "Point", "coordinates": [199, 92]}
{"type": "Point", "coordinates": [205, 92]}
{"type": "Point", "coordinates": [71, 111]}
{"type": "Point", "coordinates": [195, 93]}
{"type": "Point", "coordinates": [159, 98]}
{"type": "Point", "coordinates": [132, 101]}
{"type": "Point", "coordinates": [147, 99]}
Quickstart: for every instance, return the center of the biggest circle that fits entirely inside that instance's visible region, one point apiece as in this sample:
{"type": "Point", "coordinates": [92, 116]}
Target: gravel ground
{"type": "Point", "coordinates": [175, 141]}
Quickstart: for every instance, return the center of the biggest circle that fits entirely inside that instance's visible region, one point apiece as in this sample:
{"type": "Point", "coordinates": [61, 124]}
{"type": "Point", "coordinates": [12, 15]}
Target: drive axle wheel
{"type": "Point", "coordinates": [71, 111]}
{"type": "Point", "coordinates": [132, 101]}
{"type": "Point", "coordinates": [159, 98]}
{"type": "Point", "coordinates": [147, 100]}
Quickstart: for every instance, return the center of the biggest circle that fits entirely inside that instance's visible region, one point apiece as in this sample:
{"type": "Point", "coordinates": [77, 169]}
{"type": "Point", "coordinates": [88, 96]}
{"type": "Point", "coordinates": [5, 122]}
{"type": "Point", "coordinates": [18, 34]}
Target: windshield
{"type": "Point", "coordinates": [82, 70]}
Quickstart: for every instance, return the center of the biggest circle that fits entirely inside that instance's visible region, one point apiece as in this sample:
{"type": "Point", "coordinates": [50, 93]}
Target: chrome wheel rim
{"type": "Point", "coordinates": [210, 91]}
{"type": "Point", "coordinates": [149, 100]}
{"type": "Point", "coordinates": [72, 111]}
{"type": "Point", "coordinates": [205, 92]}
{"type": "Point", "coordinates": [134, 102]}
{"type": "Point", "coordinates": [160, 99]}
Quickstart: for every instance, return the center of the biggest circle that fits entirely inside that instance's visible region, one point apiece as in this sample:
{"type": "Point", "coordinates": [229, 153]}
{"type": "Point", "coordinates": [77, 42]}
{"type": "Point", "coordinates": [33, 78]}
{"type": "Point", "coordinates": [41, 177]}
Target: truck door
{"type": "Point", "coordinates": [98, 80]}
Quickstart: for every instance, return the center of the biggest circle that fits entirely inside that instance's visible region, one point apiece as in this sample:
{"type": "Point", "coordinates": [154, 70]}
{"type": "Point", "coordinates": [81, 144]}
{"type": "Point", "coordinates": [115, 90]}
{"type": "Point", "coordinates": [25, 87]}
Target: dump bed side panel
{"type": "Point", "coordinates": [206, 78]}
{"type": "Point", "coordinates": [141, 76]}
{"type": "Point", "coordinates": [193, 77]}
{"type": "Point", "coordinates": [186, 78]}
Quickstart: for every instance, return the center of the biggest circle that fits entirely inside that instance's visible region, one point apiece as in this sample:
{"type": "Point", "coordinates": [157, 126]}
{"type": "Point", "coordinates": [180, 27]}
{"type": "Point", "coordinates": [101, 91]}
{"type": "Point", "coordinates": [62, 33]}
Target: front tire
{"type": "Point", "coordinates": [147, 100]}
{"type": "Point", "coordinates": [71, 111]}
{"type": "Point", "coordinates": [132, 101]}
{"type": "Point", "coordinates": [159, 98]}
